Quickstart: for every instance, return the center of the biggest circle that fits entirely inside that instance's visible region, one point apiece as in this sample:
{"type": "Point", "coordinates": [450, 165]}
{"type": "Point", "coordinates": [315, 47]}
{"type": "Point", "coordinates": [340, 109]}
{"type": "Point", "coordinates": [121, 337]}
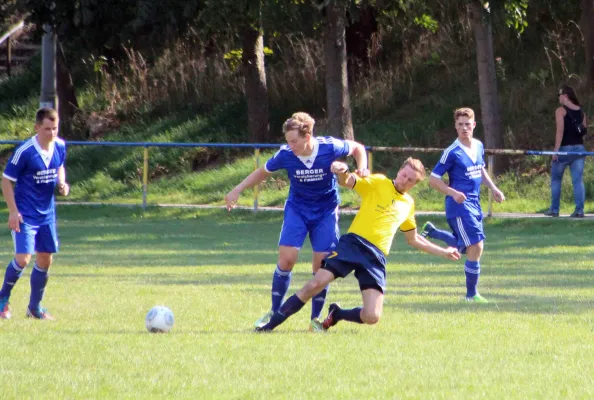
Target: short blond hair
{"type": "Point", "coordinates": [463, 112]}
{"type": "Point", "coordinates": [301, 122]}
{"type": "Point", "coordinates": [416, 165]}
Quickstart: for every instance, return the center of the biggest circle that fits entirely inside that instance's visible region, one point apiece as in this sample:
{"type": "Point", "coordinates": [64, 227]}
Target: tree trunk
{"type": "Point", "coordinates": [66, 93]}
{"type": "Point", "coordinates": [587, 23]}
{"type": "Point", "coordinates": [256, 90]}
{"type": "Point", "coordinates": [490, 110]}
{"type": "Point", "coordinates": [338, 102]}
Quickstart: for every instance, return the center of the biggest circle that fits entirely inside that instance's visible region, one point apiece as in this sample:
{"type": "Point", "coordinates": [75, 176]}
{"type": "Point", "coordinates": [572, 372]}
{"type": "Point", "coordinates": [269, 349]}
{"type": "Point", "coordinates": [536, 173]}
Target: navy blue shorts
{"type": "Point", "coordinates": [31, 239]}
{"type": "Point", "coordinates": [321, 226]}
{"type": "Point", "coordinates": [354, 253]}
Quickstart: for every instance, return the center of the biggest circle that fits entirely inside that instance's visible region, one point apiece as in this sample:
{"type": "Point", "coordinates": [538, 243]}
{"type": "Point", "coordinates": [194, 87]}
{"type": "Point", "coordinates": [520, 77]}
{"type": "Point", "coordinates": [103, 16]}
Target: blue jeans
{"type": "Point", "coordinates": [576, 167]}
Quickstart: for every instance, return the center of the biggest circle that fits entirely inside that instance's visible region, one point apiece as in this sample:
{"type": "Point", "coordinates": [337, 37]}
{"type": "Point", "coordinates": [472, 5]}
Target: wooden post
{"type": "Point", "coordinates": [490, 172]}
{"type": "Point", "coordinates": [370, 161]}
{"type": "Point", "coordinates": [145, 177]}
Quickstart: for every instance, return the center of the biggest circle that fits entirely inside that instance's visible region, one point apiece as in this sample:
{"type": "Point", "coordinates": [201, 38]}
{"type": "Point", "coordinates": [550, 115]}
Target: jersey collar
{"type": "Point", "coordinates": [46, 155]}
{"type": "Point", "coordinates": [309, 161]}
{"type": "Point", "coordinates": [472, 151]}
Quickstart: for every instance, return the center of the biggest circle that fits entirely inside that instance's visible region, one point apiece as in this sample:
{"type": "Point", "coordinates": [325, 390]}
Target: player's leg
{"type": "Point", "coordinates": [323, 234]}
{"type": "Point", "coordinates": [297, 301]}
{"type": "Point", "coordinates": [46, 243]}
{"type": "Point", "coordinates": [431, 231]}
{"type": "Point", "coordinates": [557, 170]}
{"type": "Point", "coordinates": [579, 192]}
{"type": "Point", "coordinates": [469, 230]}
{"type": "Point", "coordinates": [24, 244]}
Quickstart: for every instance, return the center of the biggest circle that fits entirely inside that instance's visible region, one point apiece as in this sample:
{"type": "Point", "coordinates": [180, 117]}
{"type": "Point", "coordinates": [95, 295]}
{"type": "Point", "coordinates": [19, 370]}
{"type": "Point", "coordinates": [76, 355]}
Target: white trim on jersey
{"type": "Point", "coordinates": [447, 151]}
{"type": "Point", "coordinates": [46, 155]}
{"type": "Point", "coordinates": [435, 175]}
{"type": "Point", "coordinates": [10, 178]}
{"type": "Point", "coordinates": [17, 154]}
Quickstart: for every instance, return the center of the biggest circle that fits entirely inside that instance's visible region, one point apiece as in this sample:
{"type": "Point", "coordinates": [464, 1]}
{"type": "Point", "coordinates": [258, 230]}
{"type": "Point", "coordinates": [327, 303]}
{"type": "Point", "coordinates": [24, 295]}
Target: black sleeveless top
{"type": "Point", "coordinates": [570, 135]}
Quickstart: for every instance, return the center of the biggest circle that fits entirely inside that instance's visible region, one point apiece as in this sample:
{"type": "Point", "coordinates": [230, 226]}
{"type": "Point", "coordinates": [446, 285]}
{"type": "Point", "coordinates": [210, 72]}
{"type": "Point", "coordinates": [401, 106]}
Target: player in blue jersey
{"type": "Point", "coordinates": [464, 164]}
{"type": "Point", "coordinates": [28, 183]}
{"type": "Point", "coordinates": [312, 205]}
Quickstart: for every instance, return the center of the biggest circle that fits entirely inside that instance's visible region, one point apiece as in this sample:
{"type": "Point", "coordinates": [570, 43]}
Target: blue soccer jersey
{"type": "Point", "coordinates": [313, 185]}
{"type": "Point", "coordinates": [35, 173]}
{"type": "Point", "coordinates": [464, 167]}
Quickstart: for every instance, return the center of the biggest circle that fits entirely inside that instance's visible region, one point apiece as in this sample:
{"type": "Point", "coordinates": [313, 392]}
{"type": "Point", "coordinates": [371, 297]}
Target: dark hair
{"type": "Point", "coordinates": [45, 113]}
{"type": "Point", "coordinates": [570, 93]}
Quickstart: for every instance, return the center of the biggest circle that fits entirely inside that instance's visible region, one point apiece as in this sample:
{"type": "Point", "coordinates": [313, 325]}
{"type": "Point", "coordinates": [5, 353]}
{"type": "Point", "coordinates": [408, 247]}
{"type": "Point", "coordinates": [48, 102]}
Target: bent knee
{"type": "Point", "coordinates": [370, 318]}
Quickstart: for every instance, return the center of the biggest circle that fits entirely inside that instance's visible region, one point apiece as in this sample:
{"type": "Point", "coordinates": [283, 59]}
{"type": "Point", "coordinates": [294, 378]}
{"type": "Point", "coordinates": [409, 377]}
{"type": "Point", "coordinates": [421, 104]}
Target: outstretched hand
{"type": "Point", "coordinates": [363, 172]}
{"type": "Point", "coordinates": [452, 253]}
{"type": "Point", "coordinates": [231, 199]}
{"type": "Point", "coordinates": [338, 167]}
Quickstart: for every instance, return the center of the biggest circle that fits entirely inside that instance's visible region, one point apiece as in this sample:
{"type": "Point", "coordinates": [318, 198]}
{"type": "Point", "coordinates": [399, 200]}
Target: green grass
{"type": "Point", "coordinates": [213, 269]}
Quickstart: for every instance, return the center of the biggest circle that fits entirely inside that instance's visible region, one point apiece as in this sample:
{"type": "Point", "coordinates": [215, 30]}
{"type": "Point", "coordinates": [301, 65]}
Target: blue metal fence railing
{"type": "Point", "coordinates": [257, 146]}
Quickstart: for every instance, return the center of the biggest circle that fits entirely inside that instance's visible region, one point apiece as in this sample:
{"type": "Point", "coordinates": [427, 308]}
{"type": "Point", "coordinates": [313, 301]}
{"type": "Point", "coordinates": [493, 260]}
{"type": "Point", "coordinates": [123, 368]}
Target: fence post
{"type": "Point", "coordinates": [257, 187]}
{"type": "Point", "coordinates": [490, 172]}
{"type": "Point", "coordinates": [370, 161]}
{"type": "Point", "coordinates": [145, 177]}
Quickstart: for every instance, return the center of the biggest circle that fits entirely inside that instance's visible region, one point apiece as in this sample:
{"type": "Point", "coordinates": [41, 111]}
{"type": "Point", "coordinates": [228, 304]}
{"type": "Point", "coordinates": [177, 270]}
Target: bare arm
{"type": "Point", "coordinates": [442, 187]}
{"type": "Point", "coordinates": [488, 182]}
{"type": "Point", "coordinates": [345, 179]}
{"type": "Point", "coordinates": [360, 154]}
{"type": "Point", "coordinates": [63, 187]}
{"type": "Point", "coordinates": [251, 180]}
{"type": "Point", "coordinates": [420, 243]}
{"type": "Point", "coordinates": [14, 217]}
{"type": "Point", "coordinates": [559, 125]}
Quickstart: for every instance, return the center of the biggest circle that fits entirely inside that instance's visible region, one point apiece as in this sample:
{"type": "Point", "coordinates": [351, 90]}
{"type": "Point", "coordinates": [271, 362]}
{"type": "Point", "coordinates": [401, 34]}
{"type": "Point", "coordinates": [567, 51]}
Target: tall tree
{"type": "Point", "coordinates": [587, 24]}
{"type": "Point", "coordinates": [490, 109]}
{"type": "Point", "coordinates": [338, 102]}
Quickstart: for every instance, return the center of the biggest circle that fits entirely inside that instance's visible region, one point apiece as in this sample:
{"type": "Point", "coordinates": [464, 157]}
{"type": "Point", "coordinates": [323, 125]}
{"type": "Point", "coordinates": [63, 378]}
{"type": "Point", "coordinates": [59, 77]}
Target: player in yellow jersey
{"type": "Point", "coordinates": [385, 207]}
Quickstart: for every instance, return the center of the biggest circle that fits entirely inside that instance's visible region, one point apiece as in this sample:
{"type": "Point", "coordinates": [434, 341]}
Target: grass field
{"type": "Point", "coordinates": [533, 341]}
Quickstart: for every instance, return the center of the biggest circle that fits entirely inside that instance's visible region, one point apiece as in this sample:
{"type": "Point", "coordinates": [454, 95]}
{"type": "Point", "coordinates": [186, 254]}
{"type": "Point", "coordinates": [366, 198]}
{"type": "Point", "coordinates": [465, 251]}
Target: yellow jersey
{"type": "Point", "coordinates": [383, 210]}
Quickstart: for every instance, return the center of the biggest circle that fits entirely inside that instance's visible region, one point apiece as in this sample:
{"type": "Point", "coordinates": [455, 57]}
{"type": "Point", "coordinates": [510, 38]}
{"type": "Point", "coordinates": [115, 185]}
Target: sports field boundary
{"type": "Point", "coordinates": [346, 211]}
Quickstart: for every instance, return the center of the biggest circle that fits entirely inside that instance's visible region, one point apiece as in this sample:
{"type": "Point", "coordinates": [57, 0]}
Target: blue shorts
{"type": "Point", "coordinates": [468, 230]}
{"type": "Point", "coordinates": [322, 227]}
{"type": "Point", "coordinates": [32, 239]}
{"type": "Point", "coordinates": [354, 253]}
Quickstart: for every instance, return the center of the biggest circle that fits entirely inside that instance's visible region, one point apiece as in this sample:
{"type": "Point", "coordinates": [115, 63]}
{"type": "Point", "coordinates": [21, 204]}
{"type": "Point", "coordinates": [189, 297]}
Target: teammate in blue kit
{"type": "Point", "coordinates": [312, 205]}
{"type": "Point", "coordinates": [464, 164]}
{"type": "Point", "coordinates": [28, 183]}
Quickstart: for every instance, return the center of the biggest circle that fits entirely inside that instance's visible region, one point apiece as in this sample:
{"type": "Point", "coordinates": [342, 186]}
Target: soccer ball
{"type": "Point", "coordinates": [159, 320]}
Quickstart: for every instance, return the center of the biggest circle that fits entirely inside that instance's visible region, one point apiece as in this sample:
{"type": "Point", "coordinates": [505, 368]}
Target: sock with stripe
{"type": "Point", "coordinates": [289, 307]}
{"type": "Point", "coordinates": [39, 278]}
{"type": "Point", "coordinates": [280, 286]}
{"type": "Point", "coordinates": [11, 276]}
{"type": "Point", "coordinates": [472, 269]}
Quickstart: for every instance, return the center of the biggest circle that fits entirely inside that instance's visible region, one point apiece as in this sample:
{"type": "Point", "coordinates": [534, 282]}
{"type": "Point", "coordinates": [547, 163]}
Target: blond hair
{"type": "Point", "coordinates": [463, 112]}
{"type": "Point", "coordinates": [416, 165]}
{"type": "Point", "coordinates": [301, 122]}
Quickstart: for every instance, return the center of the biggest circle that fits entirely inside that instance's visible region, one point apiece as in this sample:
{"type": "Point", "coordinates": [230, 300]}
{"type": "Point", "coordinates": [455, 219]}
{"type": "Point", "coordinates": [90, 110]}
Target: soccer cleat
{"type": "Point", "coordinates": [477, 298]}
{"type": "Point", "coordinates": [427, 228]}
{"type": "Point", "coordinates": [315, 326]}
{"type": "Point", "coordinates": [331, 319]}
{"type": "Point", "coordinates": [5, 309]}
{"type": "Point", "coordinates": [263, 320]}
{"type": "Point", "coordinates": [549, 213]}
{"type": "Point", "coordinates": [39, 313]}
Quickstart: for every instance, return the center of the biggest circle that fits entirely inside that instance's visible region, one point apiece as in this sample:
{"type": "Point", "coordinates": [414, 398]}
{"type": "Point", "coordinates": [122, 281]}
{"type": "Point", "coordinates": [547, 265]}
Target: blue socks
{"type": "Point", "coordinates": [352, 315]}
{"type": "Point", "coordinates": [280, 285]}
{"type": "Point", "coordinates": [444, 236]}
{"type": "Point", "coordinates": [39, 279]}
{"type": "Point", "coordinates": [11, 276]}
{"type": "Point", "coordinates": [289, 307]}
{"type": "Point", "coordinates": [318, 301]}
{"type": "Point", "coordinates": [472, 269]}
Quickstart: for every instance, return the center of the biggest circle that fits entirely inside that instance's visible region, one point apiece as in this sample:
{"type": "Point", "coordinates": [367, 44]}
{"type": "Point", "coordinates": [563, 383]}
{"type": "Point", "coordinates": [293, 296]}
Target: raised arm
{"type": "Point", "coordinates": [251, 180]}
{"type": "Point", "coordinates": [341, 170]}
{"type": "Point", "coordinates": [418, 242]}
{"type": "Point", "coordinates": [357, 150]}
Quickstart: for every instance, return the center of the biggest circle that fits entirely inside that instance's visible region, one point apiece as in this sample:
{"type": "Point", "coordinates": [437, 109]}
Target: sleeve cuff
{"type": "Point", "coordinates": [10, 178]}
{"type": "Point", "coordinates": [435, 175]}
